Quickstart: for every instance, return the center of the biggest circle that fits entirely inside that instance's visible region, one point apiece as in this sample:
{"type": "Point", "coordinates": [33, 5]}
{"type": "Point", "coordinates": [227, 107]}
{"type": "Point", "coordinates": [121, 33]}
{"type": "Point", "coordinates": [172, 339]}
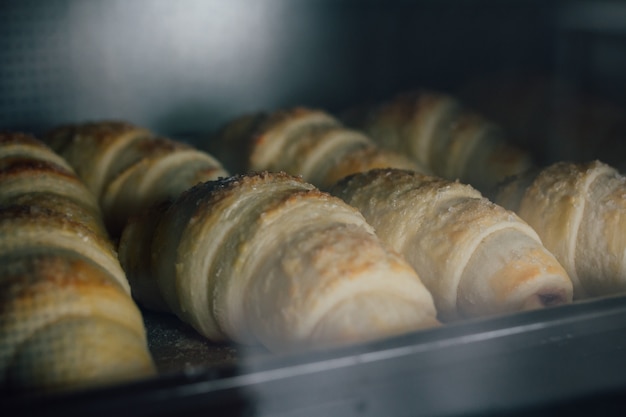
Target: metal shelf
{"type": "Point", "coordinates": [570, 358]}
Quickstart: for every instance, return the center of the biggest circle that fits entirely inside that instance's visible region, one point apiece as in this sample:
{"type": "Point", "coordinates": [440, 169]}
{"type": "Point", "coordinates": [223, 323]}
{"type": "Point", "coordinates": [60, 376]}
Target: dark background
{"type": "Point", "coordinates": [187, 66]}
{"type": "Point", "coordinates": [182, 68]}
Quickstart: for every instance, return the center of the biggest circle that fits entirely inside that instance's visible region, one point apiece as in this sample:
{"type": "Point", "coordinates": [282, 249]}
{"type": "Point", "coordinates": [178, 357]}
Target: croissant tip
{"type": "Point", "coordinates": [544, 300]}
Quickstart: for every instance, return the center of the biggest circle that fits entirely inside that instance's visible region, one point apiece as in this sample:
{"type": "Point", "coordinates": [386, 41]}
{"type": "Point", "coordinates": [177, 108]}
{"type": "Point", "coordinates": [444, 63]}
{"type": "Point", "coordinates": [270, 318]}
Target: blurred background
{"type": "Point", "coordinates": [544, 69]}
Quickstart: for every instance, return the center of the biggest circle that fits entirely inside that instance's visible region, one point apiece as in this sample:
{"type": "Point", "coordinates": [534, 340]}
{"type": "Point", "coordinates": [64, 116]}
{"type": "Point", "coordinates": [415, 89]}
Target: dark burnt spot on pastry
{"type": "Point", "coordinates": [551, 299]}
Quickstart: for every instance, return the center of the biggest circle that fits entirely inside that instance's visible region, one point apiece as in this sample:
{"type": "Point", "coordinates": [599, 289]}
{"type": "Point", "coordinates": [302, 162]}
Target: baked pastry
{"type": "Point", "coordinates": [67, 319]}
{"type": "Point", "coordinates": [300, 141]}
{"type": "Point", "coordinates": [97, 151]}
{"type": "Point", "coordinates": [135, 255]}
{"type": "Point", "coordinates": [128, 168]}
{"type": "Point", "coordinates": [443, 136]}
{"type": "Point", "coordinates": [579, 210]}
{"type": "Point", "coordinates": [475, 257]}
{"type": "Point", "coordinates": [267, 258]}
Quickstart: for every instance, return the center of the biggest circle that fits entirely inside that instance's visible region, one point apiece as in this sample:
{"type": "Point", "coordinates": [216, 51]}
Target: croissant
{"type": "Point", "coordinates": [128, 168]}
{"type": "Point", "coordinates": [475, 257]}
{"type": "Point", "coordinates": [443, 136]}
{"type": "Point", "coordinates": [579, 210]}
{"type": "Point", "coordinates": [268, 259]}
{"type": "Point", "coordinates": [300, 141]}
{"type": "Point", "coordinates": [67, 319]}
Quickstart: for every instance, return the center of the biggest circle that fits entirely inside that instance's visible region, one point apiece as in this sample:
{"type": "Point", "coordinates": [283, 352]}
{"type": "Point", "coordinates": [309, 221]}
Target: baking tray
{"type": "Point", "coordinates": [569, 359]}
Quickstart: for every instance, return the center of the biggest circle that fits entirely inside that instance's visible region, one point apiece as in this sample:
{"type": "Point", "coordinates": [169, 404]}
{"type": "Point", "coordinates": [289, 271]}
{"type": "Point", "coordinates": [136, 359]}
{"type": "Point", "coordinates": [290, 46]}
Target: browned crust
{"type": "Point", "coordinates": [389, 177]}
{"type": "Point", "coordinates": [213, 191]}
{"type": "Point", "coordinates": [406, 105]}
{"type": "Point", "coordinates": [25, 276]}
{"type": "Point", "coordinates": [366, 159]}
{"type": "Point", "coordinates": [370, 157]}
{"type": "Point", "coordinates": [236, 143]}
{"type": "Point", "coordinates": [104, 132]}
{"type": "Point", "coordinates": [279, 117]}
{"type": "Point", "coordinates": [87, 215]}
{"type": "Point", "coordinates": [19, 165]}
{"type": "Point", "coordinates": [11, 138]}
{"type": "Point", "coordinates": [538, 263]}
{"type": "Point", "coordinates": [19, 216]}
{"type": "Point", "coordinates": [160, 145]}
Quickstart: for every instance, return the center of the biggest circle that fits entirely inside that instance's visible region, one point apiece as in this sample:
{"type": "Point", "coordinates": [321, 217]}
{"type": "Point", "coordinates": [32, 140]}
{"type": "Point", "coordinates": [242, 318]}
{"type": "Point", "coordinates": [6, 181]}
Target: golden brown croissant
{"type": "Point", "coordinates": [300, 141]}
{"type": "Point", "coordinates": [579, 210]}
{"type": "Point", "coordinates": [67, 319]}
{"type": "Point", "coordinates": [128, 168]}
{"type": "Point", "coordinates": [267, 258]}
{"type": "Point", "coordinates": [474, 256]}
{"type": "Point", "coordinates": [446, 138]}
